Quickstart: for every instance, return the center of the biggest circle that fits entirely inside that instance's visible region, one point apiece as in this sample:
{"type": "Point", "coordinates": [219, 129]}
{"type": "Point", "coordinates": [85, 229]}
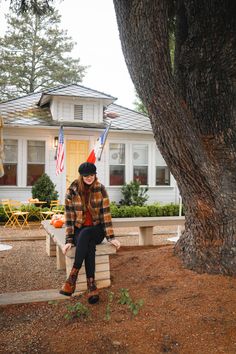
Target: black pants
{"type": "Point", "coordinates": [86, 239]}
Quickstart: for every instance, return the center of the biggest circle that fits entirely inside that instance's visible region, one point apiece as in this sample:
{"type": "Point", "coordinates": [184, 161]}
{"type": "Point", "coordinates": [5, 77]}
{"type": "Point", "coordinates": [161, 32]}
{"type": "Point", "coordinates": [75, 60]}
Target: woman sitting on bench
{"type": "Point", "coordinates": [88, 221]}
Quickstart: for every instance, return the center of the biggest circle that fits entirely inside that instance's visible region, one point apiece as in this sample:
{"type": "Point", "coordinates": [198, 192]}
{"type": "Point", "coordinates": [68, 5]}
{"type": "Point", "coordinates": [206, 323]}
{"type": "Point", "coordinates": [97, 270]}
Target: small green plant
{"type": "Point", "coordinates": [125, 299]}
{"type": "Point", "coordinates": [133, 194]}
{"type": "Point", "coordinates": [77, 311]}
{"type": "Point", "coordinates": [135, 306]}
{"type": "Point", "coordinates": [108, 307]}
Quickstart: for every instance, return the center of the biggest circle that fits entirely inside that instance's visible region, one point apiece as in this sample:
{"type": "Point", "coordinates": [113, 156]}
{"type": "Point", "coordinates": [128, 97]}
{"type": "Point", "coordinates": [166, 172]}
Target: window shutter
{"type": "Point", "coordinates": [78, 112]}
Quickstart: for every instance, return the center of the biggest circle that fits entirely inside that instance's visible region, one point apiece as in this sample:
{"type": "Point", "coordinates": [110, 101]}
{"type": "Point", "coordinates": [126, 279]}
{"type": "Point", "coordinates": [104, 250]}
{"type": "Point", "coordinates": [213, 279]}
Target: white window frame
{"type": "Point", "coordinates": [26, 164]}
{"type": "Point", "coordinates": [125, 164]}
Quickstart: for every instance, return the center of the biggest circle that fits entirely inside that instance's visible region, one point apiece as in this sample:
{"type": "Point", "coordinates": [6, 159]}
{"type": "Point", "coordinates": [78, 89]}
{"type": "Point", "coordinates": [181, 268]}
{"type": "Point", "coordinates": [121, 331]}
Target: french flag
{"type": "Point", "coordinates": [96, 153]}
{"type": "Point", "coordinates": [60, 152]}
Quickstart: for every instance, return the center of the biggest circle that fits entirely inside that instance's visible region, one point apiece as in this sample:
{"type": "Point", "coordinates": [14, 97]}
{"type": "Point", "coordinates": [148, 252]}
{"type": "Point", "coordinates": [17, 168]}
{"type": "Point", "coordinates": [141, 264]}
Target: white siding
{"type": "Point", "coordinates": [163, 194]}
{"type": "Point", "coordinates": [63, 109]}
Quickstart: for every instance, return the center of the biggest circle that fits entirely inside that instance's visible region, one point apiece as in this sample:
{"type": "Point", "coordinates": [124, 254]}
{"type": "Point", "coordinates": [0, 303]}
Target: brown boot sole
{"type": "Point", "coordinates": [65, 293]}
{"type": "Point", "coordinates": [93, 299]}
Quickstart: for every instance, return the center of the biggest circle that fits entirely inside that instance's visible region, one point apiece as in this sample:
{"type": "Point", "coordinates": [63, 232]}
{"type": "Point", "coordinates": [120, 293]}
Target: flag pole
{"type": "Point", "coordinates": [108, 128]}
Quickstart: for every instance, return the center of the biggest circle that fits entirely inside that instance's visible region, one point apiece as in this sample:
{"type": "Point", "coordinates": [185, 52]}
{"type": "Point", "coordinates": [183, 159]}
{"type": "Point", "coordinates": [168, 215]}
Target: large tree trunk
{"type": "Point", "coordinates": [193, 114]}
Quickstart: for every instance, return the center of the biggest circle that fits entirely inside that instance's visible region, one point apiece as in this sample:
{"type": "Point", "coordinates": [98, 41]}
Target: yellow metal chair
{"type": "Point", "coordinates": [53, 210]}
{"type": "Point", "coordinates": [15, 217]}
{"type": "Point", "coordinates": [8, 212]}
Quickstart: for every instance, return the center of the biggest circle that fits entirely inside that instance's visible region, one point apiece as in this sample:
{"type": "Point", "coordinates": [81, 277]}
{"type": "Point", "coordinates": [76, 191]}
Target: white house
{"type": "Point", "coordinates": [31, 126]}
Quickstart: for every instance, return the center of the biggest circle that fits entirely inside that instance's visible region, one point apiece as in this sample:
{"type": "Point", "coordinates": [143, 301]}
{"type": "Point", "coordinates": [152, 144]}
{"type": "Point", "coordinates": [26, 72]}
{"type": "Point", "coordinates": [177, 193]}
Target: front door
{"type": "Point", "coordinates": [76, 153]}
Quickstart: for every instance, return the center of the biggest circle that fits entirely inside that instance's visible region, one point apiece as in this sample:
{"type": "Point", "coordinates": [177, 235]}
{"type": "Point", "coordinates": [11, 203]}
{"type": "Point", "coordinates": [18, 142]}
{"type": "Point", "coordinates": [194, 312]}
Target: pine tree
{"type": "Point", "coordinates": [34, 55]}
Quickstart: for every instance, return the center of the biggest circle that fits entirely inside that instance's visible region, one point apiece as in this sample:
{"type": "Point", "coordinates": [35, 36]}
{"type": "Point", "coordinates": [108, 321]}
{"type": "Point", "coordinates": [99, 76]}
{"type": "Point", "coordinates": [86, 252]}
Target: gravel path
{"type": "Point", "coordinates": [27, 266]}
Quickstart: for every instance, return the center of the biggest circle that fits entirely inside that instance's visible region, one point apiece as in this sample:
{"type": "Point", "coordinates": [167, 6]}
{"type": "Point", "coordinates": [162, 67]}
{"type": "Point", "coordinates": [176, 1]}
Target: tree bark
{"type": "Point", "coordinates": [193, 114]}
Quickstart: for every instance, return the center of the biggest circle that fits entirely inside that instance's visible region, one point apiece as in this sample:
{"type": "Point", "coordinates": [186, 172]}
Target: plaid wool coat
{"type": "Point", "coordinates": [75, 210]}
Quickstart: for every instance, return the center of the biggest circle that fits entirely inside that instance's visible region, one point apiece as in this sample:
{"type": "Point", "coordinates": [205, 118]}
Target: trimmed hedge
{"type": "Point", "coordinates": [117, 211]}
{"type": "Point", "coordinates": [147, 210]}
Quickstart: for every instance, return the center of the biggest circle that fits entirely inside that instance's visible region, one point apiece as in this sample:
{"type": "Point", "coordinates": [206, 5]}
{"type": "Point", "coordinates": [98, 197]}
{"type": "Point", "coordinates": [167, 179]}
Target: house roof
{"type": "Point", "coordinates": [128, 119]}
{"type": "Point", "coordinates": [74, 90]}
{"type": "Point", "coordinates": [26, 111]}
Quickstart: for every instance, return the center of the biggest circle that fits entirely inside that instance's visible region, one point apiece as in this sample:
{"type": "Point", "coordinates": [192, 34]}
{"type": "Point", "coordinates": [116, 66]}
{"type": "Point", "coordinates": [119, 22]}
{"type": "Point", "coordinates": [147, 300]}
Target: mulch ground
{"type": "Point", "coordinates": [182, 312]}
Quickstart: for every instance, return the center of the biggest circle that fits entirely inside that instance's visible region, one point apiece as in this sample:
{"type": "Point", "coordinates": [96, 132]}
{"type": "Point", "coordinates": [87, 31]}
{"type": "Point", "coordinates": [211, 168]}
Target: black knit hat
{"type": "Point", "coordinates": [87, 168]}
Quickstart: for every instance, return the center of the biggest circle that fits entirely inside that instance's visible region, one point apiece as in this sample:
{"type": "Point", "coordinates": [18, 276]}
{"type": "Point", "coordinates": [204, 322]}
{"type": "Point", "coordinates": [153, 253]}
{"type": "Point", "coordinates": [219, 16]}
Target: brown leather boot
{"type": "Point", "coordinates": [93, 296]}
{"type": "Point", "coordinates": [69, 287]}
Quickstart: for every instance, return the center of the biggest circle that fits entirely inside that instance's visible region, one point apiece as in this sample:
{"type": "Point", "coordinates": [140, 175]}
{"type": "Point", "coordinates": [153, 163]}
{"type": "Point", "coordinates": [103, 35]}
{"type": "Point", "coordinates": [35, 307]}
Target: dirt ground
{"type": "Point", "coordinates": [182, 312]}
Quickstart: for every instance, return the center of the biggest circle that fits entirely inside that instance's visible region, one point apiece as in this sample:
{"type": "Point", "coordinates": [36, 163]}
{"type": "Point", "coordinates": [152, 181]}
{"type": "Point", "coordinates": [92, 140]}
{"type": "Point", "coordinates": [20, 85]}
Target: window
{"type": "Point", "coordinates": [10, 163]}
{"type": "Point", "coordinates": [89, 109]}
{"type": "Point", "coordinates": [117, 164]}
{"type": "Point", "coordinates": [140, 163]}
{"type": "Point", "coordinates": [162, 176]}
{"type": "Point", "coordinates": [78, 112]}
{"type": "Point", "coordinates": [162, 171]}
{"type": "Point", "coordinates": [35, 161]}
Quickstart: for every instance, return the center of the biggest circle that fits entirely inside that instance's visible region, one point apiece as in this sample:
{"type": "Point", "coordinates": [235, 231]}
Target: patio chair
{"type": "Point", "coordinates": [53, 210]}
{"type": "Point", "coordinates": [8, 212]}
{"type": "Point", "coordinates": [15, 217]}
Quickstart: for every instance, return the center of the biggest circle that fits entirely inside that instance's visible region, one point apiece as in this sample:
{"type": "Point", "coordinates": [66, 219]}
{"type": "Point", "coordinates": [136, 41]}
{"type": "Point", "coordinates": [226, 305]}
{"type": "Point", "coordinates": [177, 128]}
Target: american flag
{"type": "Point", "coordinates": [60, 152]}
{"type": "Point", "coordinates": [96, 153]}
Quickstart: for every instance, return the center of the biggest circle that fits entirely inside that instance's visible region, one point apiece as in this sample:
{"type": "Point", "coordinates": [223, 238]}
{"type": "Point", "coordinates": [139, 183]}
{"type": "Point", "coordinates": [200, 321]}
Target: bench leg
{"type": "Point", "coordinates": [50, 246]}
{"type": "Point", "coordinates": [69, 265]}
{"type": "Point", "coordinates": [145, 236]}
{"type": "Point", "coordinates": [61, 262]}
{"type": "Point", "coordinates": [102, 275]}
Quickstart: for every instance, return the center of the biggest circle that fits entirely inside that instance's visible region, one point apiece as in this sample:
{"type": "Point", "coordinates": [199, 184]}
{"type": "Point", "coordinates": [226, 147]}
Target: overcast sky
{"type": "Point", "coordinates": [92, 24]}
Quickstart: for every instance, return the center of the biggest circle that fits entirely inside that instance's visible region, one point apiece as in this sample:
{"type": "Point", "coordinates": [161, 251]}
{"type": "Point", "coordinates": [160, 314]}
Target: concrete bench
{"type": "Point", "coordinates": [55, 240]}
{"type": "Point", "coordinates": [146, 225]}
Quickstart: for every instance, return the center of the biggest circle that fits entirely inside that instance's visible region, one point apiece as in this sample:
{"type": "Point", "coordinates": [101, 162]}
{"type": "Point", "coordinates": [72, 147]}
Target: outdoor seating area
{"type": "Point", "coordinates": [22, 215]}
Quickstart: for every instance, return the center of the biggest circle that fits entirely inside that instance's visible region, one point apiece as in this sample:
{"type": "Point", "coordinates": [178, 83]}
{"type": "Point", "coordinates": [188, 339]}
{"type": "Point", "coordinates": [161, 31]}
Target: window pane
{"type": "Point", "coordinates": [33, 173]}
{"type": "Point", "coordinates": [140, 154]}
{"type": "Point", "coordinates": [117, 175]}
{"type": "Point", "coordinates": [162, 176]}
{"type": "Point", "coordinates": [36, 151]}
{"type": "Point", "coordinates": [159, 159]}
{"type": "Point", "coordinates": [10, 150]}
{"type": "Point", "coordinates": [10, 163]}
{"type": "Point", "coordinates": [10, 175]}
{"type": "Point", "coordinates": [141, 174]}
{"type": "Point", "coordinates": [117, 154]}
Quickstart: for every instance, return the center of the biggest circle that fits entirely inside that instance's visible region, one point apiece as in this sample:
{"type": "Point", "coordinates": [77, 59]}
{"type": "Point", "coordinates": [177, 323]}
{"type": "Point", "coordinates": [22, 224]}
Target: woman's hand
{"type": "Point", "coordinates": [66, 247]}
{"type": "Point", "coordinates": [115, 243]}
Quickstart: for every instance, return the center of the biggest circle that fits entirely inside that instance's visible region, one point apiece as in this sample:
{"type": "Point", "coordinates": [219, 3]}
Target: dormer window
{"type": "Point", "coordinates": [78, 112]}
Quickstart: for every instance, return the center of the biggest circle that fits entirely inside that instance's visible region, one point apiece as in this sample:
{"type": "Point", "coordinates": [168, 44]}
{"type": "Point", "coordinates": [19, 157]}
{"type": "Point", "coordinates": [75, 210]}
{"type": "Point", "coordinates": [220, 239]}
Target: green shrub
{"type": "Point", "coordinates": [141, 211]}
{"type": "Point", "coordinates": [170, 209]}
{"type": "Point", "coordinates": [152, 210]}
{"type": "Point", "coordinates": [115, 210]}
{"type": "Point", "coordinates": [133, 194]}
{"type": "Point", "coordinates": [126, 211]}
{"type": "Point", "coordinates": [3, 216]}
{"type": "Point", "coordinates": [44, 189]}
{"type": "Point", "coordinates": [34, 212]}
